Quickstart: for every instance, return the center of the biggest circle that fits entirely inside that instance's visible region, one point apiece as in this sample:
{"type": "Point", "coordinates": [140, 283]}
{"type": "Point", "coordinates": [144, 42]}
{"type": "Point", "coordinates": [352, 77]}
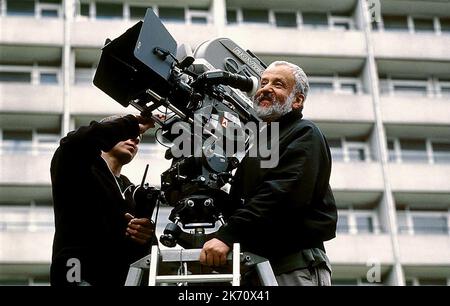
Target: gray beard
{"type": "Point", "coordinates": [276, 110]}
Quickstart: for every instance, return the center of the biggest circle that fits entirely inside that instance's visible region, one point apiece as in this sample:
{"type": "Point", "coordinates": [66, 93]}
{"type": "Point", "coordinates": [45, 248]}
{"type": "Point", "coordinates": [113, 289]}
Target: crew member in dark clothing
{"type": "Point", "coordinates": [97, 235]}
{"type": "Point", "coordinates": [288, 211]}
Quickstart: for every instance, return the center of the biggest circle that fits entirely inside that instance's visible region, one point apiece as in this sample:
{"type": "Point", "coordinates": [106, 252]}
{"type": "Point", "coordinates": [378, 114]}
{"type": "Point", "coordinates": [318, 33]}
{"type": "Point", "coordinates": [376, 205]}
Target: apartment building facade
{"type": "Point", "coordinates": [380, 91]}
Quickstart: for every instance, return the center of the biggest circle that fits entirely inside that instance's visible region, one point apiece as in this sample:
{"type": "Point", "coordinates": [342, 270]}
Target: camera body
{"type": "Point", "coordinates": [208, 96]}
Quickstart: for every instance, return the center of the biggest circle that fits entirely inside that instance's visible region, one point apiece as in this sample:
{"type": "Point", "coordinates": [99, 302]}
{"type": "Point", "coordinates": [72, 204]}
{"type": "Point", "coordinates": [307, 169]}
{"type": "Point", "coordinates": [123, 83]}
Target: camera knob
{"type": "Point", "coordinates": [208, 202]}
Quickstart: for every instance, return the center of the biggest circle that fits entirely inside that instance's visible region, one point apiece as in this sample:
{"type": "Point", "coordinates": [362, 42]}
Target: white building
{"type": "Point", "coordinates": [380, 91]}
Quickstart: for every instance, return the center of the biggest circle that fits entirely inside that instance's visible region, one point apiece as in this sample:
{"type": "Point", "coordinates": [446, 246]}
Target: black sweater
{"type": "Point", "coordinates": [287, 208]}
{"type": "Point", "coordinates": [89, 207]}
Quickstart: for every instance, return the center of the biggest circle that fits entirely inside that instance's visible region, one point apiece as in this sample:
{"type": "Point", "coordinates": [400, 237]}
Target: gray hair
{"type": "Point", "coordinates": [301, 80]}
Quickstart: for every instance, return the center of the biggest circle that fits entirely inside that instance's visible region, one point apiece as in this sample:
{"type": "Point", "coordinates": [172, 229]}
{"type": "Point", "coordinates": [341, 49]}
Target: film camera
{"type": "Point", "coordinates": [207, 94]}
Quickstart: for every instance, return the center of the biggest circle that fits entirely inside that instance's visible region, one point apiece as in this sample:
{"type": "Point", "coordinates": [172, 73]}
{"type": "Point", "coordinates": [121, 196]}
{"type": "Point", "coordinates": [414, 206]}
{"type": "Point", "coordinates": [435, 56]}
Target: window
{"type": "Point", "coordinates": [364, 224]}
{"type": "Point", "coordinates": [48, 78]}
{"type": "Point", "coordinates": [341, 23]}
{"type": "Point", "coordinates": [48, 12]}
{"type": "Point", "coordinates": [232, 16]}
{"type": "Point", "coordinates": [171, 14]}
{"type": "Point", "coordinates": [49, 9]}
{"type": "Point", "coordinates": [430, 224]}
{"type": "Point", "coordinates": [13, 282]}
{"type": "Point", "coordinates": [356, 221]}
{"type": "Point", "coordinates": [402, 222]}
{"type": "Point", "coordinates": [356, 153]}
{"type": "Point", "coordinates": [109, 10]}
{"type": "Point", "coordinates": [255, 16]}
{"type": "Point", "coordinates": [445, 25]}
{"type": "Point", "coordinates": [344, 25]}
{"type": "Point", "coordinates": [137, 12]}
{"type": "Point", "coordinates": [199, 20]}
{"type": "Point", "coordinates": [423, 24]}
{"type": "Point", "coordinates": [84, 76]}
{"type": "Point", "coordinates": [320, 87]}
{"type": "Point", "coordinates": [17, 135]}
{"type": "Point", "coordinates": [441, 152]}
{"type": "Point", "coordinates": [315, 19]}
{"type": "Point", "coordinates": [47, 140]}
{"type": "Point", "coordinates": [337, 153]}
{"type": "Point", "coordinates": [445, 90]}
{"type": "Point", "coordinates": [17, 141]}
{"type": "Point", "coordinates": [349, 88]}
{"type": "Point", "coordinates": [413, 150]}
{"type": "Point", "coordinates": [409, 282]}
{"type": "Point", "coordinates": [392, 156]}
{"type": "Point", "coordinates": [20, 8]}
{"type": "Point", "coordinates": [410, 89]}
{"type": "Point", "coordinates": [395, 23]}
{"type": "Point", "coordinates": [84, 9]}
{"type": "Point", "coordinates": [198, 15]}
{"type": "Point", "coordinates": [343, 224]}
{"type": "Point", "coordinates": [433, 282]}
{"type": "Point", "coordinates": [15, 77]}
{"type": "Point", "coordinates": [357, 150]}
{"type": "Point", "coordinates": [286, 19]}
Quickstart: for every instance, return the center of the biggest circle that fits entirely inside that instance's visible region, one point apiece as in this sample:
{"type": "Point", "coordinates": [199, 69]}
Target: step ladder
{"type": "Point", "coordinates": [164, 261]}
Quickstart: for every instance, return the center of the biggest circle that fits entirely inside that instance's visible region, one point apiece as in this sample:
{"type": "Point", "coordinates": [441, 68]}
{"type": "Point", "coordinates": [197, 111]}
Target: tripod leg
{"type": "Point", "coordinates": [236, 264]}
{"type": "Point", "coordinates": [153, 266]}
{"type": "Point", "coordinates": [265, 274]}
{"type": "Point", "coordinates": [134, 277]}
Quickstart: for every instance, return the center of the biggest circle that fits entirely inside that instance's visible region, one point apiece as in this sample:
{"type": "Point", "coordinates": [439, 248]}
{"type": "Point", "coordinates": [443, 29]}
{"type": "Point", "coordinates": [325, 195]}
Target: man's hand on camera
{"type": "Point", "coordinates": [145, 123]}
{"type": "Point", "coordinates": [139, 229]}
{"type": "Point", "coordinates": [214, 253]}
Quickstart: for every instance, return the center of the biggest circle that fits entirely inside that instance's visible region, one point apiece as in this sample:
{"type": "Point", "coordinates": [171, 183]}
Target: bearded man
{"type": "Point", "coordinates": [283, 213]}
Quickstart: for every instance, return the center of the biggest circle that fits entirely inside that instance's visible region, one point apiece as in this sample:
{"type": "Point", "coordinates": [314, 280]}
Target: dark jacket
{"type": "Point", "coordinates": [287, 208]}
{"type": "Point", "coordinates": [89, 207]}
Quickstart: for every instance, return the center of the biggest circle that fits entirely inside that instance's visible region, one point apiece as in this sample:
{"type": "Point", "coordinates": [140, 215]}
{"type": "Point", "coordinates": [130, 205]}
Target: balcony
{"type": "Point", "coordinates": [424, 249]}
{"type": "Point", "coordinates": [34, 169]}
{"type": "Point", "coordinates": [339, 107]}
{"type": "Point", "coordinates": [99, 30]}
{"type": "Point", "coordinates": [354, 249]}
{"type": "Point", "coordinates": [25, 247]}
{"type": "Point", "coordinates": [28, 98]}
{"type": "Point", "coordinates": [89, 100]}
{"type": "Point", "coordinates": [31, 31]}
{"type": "Point", "coordinates": [391, 45]}
{"type": "Point", "coordinates": [403, 109]}
{"type": "Point", "coordinates": [416, 177]}
{"type": "Point", "coordinates": [356, 176]}
{"type": "Point", "coordinates": [306, 42]}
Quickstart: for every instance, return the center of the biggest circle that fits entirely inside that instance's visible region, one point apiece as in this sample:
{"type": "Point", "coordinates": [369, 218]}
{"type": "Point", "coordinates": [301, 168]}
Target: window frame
{"type": "Point", "coordinates": [193, 12]}
{"type": "Point", "coordinates": [332, 19]}
{"type": "Point", "coordinates": [409, 215]}
{"type": "Point", "coordinates": [48, 6]}
{"type": "Point", "coordinates": [352, 215]}
{"type": "Point", "coordinates": [358, 145]}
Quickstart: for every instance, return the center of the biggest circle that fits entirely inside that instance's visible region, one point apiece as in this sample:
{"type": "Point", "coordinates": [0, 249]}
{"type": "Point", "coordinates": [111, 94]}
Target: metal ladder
{"type": "Point", "coordinates": [155, 261]}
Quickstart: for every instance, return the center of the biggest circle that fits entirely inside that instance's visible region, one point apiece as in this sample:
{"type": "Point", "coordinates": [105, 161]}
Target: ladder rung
{"type": "Point", "coordinates": [194, 278]}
